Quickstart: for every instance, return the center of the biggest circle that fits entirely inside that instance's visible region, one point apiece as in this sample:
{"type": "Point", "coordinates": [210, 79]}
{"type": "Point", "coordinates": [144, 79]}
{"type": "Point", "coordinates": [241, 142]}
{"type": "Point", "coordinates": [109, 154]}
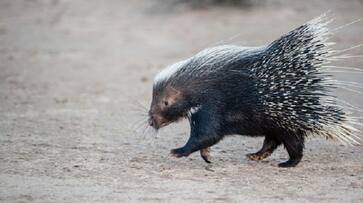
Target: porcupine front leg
{"type": "Point", "coordinates": [195, 143]}
{"type": "Point", "coordinates": [269, 145]}
{"type": "Point", "coordinates": [204, 133]}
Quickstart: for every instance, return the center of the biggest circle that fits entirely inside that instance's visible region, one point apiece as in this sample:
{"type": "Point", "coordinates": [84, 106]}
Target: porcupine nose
{"type": "Point", "coordinates": [152, 121]}
{"type": "Point", "coordinates": [151, 118]}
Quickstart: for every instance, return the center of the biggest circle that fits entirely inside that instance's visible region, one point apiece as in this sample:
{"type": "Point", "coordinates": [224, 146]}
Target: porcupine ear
{"type": "Point", "coordinates": [173, 94]}
{"type": "Point", "coordinates": [295, 86]}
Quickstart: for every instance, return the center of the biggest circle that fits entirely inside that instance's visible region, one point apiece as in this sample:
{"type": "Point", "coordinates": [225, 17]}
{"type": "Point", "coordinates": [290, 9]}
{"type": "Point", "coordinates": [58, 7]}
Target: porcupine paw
{"type": "Point", "coordinates": [179, 152]}
{"type": "Point", "coordinates": [205, 154]}
{"type": "Point", "coordinates": [257, 156]}
{"type": "Point", "coordinates": [290, 163]}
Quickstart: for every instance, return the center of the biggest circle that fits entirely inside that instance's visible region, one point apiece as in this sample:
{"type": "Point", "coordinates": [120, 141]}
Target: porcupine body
{"type": "Point", "coordinates": [279, 91]}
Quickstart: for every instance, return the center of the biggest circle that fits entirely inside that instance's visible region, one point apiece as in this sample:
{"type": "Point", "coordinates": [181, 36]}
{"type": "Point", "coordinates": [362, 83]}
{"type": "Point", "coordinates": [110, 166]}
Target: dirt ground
{"type": "Point", "coordinates": [74, 76]}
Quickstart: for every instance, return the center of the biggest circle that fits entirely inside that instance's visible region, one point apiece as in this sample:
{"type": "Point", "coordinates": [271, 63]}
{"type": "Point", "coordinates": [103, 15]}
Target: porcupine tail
{"type": "Point", "coordinates": [295, 87]}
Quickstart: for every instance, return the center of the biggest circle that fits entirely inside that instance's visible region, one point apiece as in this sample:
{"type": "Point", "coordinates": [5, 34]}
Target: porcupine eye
{"type": "Point", "coordinates": [166, 103]}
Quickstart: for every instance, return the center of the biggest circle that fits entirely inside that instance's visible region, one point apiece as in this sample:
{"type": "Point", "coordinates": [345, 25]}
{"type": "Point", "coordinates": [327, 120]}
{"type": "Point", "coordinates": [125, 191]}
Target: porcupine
{"type": "Point", "coordinates": [280, 91]}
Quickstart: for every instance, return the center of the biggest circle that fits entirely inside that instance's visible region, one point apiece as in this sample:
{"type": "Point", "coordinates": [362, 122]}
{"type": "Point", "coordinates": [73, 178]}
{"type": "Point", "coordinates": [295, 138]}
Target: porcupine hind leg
{"type": "Point", "coordinates": [269, 145]}
{"type": "Point", "coordinates": [294, 145]}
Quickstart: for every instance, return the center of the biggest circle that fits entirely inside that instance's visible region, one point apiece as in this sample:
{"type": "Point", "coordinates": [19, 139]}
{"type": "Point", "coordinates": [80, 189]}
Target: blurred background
{"type": "Point", "coordinates": [76, 79]}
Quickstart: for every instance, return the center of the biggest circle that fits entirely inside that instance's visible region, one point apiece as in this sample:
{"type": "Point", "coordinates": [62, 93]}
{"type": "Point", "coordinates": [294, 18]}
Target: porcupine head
{"type": "Point", "coordinates": [169, 104]}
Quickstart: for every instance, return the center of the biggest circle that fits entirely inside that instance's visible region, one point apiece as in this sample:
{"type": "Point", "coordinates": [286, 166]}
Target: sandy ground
{"type": "Point", "coordinates": [73, 78]}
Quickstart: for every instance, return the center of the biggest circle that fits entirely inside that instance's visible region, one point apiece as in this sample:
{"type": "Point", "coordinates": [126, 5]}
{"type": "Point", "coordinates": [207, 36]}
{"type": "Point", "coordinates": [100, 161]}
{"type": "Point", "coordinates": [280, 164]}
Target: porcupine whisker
{"type": "Point", "coordinates": [153, 132]}
{"type": "Point", "coordinates": [136, 123]}
{"type": "Point", "coordinates": [133, 129]}
{"type": "Point", "coordinates": [143, 121]}
{"type": "Point", "coordinates": [136, 106]}
{"type": "Point", "coordinates": [139, 130]}
{"type": "Point", "coordinates": [139, 123]}
{"type": "Point", "coordinates": [141, 116]}
{"type": "Point", "coordinates": [138, 110]}
{"type": "Point", "coordinates": [141, 105]}
{"type": "Point", "coordinates": [143, 129]}
{"type": "Point", "coordinates": [150, 131]}
{"type": "Point", "coordinates": [143, 132]}
{"type": "Point", "coordinates": [142, 126]}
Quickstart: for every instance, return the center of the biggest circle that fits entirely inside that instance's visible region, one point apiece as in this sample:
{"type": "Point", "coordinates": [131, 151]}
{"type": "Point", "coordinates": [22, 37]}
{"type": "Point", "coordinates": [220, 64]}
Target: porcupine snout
{"type": "Point", "coordinates": [151, 122]}
{"type": "Point", "coordinates": [155, 120]}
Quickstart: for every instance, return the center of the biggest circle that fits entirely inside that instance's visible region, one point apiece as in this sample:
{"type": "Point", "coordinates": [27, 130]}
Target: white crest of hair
{"type": "Point", "coordinates": [168, 71]}
{"type": "Point", "coordinates": [203, 62]}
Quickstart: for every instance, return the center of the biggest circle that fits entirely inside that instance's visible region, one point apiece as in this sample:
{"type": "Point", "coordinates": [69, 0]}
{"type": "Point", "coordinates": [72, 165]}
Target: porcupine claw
{"type": "Point", "coordinates": [205, 154]}
{"type": "Point", "coordinates": [258, 156]}
{"type": "Point", "coordinates": [179, 152]}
